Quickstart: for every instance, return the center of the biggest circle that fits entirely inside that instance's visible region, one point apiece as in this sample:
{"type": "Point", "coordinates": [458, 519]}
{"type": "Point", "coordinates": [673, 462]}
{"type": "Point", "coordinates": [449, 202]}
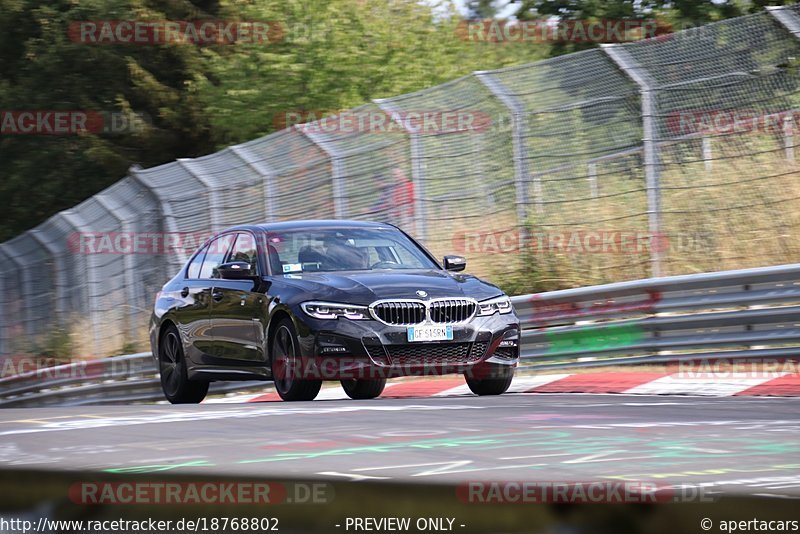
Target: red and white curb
{"type": "Point", "coordinates": [725, 385]}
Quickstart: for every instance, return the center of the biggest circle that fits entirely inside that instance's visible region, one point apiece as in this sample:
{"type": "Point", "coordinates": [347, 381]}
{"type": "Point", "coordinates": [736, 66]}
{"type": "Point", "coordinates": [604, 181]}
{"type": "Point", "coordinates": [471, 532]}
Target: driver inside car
{"type": "Point", "coordinates": [344, 256]}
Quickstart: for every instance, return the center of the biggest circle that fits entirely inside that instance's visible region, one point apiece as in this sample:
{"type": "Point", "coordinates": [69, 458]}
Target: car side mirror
{"type": "Point", "coordinates": [455, 263]}
{"type": "Point", "coordinates": [235, 270]}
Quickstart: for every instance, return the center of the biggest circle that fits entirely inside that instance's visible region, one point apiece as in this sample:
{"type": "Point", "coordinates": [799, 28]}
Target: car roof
{"type": "Point", "coordinates": [310, 224]}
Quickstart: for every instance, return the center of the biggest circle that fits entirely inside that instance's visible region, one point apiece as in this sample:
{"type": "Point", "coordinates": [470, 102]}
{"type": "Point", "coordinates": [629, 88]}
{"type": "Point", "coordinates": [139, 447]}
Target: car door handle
{"type": "Point", "coordinates": [185, 292]}
{"type": "Point", "coordinates": [217, 296]}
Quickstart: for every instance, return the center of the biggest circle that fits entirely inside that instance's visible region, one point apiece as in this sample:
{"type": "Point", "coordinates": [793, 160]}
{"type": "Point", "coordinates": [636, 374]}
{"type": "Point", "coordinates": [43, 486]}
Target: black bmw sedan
{"type": "Point", "coordinates": [302, 302]}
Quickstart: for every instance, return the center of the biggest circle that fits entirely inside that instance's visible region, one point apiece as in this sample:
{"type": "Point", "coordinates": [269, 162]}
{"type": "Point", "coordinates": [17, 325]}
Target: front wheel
{"type": "Point", "coordinates": [492, 380]}
{"type": "Point", "coordinates": [175, 383]}
{"type": "Point", "coordinates": [286, 366]}
{"type": "Point", "coordinates": [363, 389]}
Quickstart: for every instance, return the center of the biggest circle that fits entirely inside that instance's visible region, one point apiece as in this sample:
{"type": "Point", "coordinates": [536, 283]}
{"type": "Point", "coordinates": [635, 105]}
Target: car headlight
{"type": "Point", "coordinates": [495, 305]}
{"type": "Point", "coordinates": [333, 310]}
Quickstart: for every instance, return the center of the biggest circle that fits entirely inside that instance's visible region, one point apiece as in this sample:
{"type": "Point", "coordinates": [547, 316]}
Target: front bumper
{"type": "Point", "coordinates": [341, 348]}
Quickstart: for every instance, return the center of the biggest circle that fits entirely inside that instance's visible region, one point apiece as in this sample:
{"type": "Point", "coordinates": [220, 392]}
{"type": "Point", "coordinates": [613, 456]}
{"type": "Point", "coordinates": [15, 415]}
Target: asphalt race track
{"type": "Point", "coordinates": [730, 445]}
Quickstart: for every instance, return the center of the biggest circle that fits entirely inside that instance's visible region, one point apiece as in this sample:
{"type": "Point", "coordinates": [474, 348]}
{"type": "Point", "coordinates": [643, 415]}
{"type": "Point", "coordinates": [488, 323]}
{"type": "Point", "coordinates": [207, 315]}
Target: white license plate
{"type": "Point", "coordinates": [430, 333]}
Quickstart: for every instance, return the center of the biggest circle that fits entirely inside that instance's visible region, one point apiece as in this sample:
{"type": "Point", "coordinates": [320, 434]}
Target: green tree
{"type": "Point", "coordinates": [43, 68]}
{"type": "Point", "coordinates": [670, 15]}
{"type": "Point", "coordinates": [338, 54]}
{"type": "Point", "coordinates": [334, 54]}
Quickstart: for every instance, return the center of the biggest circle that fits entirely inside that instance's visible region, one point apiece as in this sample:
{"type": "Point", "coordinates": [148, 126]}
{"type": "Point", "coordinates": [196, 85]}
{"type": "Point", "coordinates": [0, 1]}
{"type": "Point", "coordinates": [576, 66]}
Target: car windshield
{"type": "Point", "coordinates": [344, 249]}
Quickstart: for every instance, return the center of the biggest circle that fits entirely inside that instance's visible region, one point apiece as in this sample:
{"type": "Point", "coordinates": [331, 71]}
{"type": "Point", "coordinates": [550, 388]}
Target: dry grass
{"type": "Point", "coordinates": [743, 211]}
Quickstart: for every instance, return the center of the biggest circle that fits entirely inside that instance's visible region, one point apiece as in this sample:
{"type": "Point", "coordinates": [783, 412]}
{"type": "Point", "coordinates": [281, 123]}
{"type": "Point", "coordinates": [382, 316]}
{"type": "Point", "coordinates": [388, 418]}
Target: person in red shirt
{"type": "Point", "coordinates": [403, 199]}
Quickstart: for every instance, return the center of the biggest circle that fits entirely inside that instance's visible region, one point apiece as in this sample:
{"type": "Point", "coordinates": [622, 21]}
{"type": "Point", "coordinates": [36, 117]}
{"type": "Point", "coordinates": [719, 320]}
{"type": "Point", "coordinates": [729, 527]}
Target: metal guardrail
{"type": "Point", "coordinates": [113, 380]}
{"type": "Point", "coordinates": [748, 313]}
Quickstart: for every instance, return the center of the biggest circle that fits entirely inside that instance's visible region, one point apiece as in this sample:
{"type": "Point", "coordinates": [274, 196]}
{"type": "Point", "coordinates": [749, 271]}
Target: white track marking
{"type": "Point", "coordinates": [521, 384]}
{"type": "Point", "coordinates": [710, 386]}
{"type": "Point", "coordinates": [244, 412]}
{"type": "Point", "coordinates": [233, 399]}
{"type": "Point", "coordinates": [518, 385]}
{"type": "Point", "coordinates": [335, 393]}
{"type": "Point", "coordinates": [326, 393]}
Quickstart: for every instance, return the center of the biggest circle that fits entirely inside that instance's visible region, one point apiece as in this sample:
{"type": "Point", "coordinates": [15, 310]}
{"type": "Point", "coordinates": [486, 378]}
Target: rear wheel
{"type": "Point", "coordinates": [286, 366]}
{"type": "Point", "coordinates": [363, 389]}
{"type": "Point", "coordinates": [175, 383]}
{"type": "Point", "coordinates": [491, 380]}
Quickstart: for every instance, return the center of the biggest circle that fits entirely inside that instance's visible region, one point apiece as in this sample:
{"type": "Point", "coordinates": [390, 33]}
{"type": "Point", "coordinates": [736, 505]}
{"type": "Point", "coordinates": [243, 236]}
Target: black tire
{"type": "Point", "coordinates": [175, 383]}
{"type": "Point", "coordinates": [364, 388]}
{"type": "Point", "coordinates": [285, 363]}
{"type": "Point", "coordinates": [494, 380]}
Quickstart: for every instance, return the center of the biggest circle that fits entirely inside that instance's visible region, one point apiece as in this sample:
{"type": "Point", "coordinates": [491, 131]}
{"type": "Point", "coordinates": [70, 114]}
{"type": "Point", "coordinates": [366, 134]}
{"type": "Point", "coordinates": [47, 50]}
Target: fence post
{"type": "Point", "coordinates": [647, 87]}
{"type": "Point", "coordinates": [25, 290]}
{"type": "Point", "coordinates": [787, 18]}
{"type": "Point", "coordinates": [166, 211]}
{"type": "Point", "coordinates": [6, 249]}
{"type": "Point", "coordinates": [4, 333]}
{"type": "Point", "coordinates": [337, 176]}
{"type": "Point", "coordinates": [127, 264]}
{"type": "Point", "coordinates": [788, 137]}
{"type": "Point", "coordinates": [791, 21]}
{"type": "Point", "coordinates": [417, 168]}
{"type": "Point", "coordinates": [211, 187]}
{"type": "Point", "coordinates": [591, 170]}
{"type": "Point", "coordinates": [80, 225]}
{"type": "Point", "coordinates": [519, 122]}
{"type": "Point", "coordinates": [706, 151]}
{"type": "Point", "coordinates": [267, 174]}
{"type": "Point", "coordinates": [58, 273]}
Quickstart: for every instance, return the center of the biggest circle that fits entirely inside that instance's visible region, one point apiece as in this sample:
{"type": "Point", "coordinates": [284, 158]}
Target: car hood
{"type": "Point", "coordinates": [358, 287]}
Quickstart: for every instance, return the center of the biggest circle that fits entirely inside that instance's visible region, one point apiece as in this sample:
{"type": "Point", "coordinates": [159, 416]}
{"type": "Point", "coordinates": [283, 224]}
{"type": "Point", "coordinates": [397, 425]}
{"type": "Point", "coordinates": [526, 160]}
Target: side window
{"type": "Point", "coordinates": [244, 249]}
{"type": "Point", "coordinates": [197, 262]}
{"type": "Point", "coordinates": [217, 250]}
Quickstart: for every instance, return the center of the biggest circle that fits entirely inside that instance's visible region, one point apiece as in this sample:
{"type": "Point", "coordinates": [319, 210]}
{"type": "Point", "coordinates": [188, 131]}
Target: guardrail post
{"type": "Point", "coordinates": [647, 87]}
{"type": "Point", "coordinates": [417, 167]}
{"type": "Point", "coordinates": [337, 176]}
{"type": "Point", "coordinates": [518, 125]}
{"type": "Point", "coordinates": [267, 175]}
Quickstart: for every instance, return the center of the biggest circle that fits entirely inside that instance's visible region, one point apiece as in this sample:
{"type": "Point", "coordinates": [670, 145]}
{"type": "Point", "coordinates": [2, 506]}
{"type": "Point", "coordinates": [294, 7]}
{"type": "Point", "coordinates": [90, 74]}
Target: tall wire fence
{"type": "Point", "coordinates": [665, 156]}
